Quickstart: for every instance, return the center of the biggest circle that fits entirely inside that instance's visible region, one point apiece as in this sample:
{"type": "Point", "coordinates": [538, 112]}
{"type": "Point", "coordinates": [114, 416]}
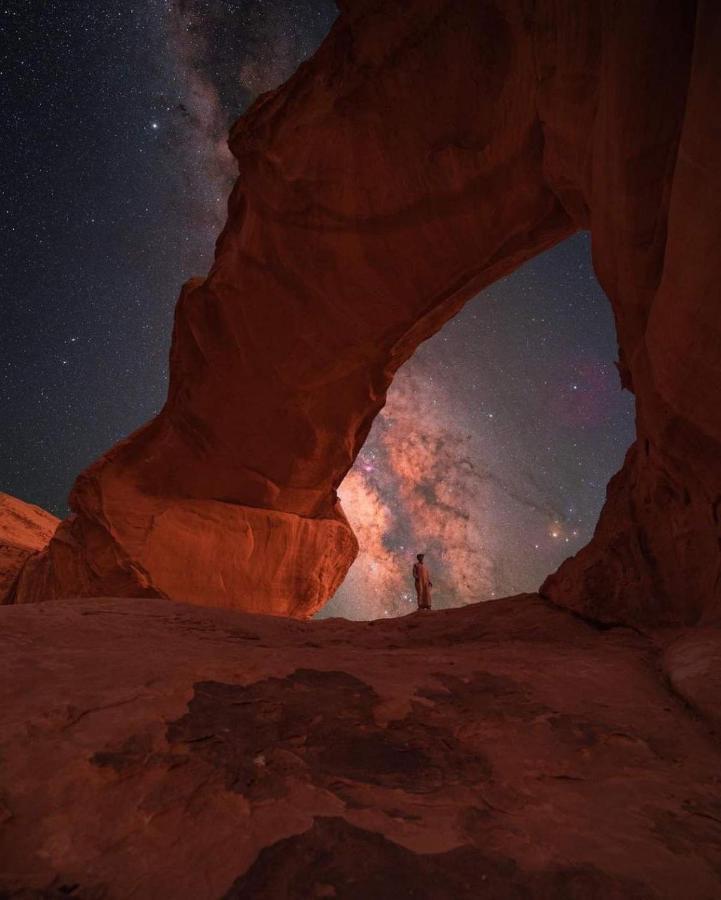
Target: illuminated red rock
{"type": "Point", "coordinates": [24, 531]}
{"type": "Point", "coordinates": [424, 152]}
{"type": "Point", "coordinates": [509, 750]}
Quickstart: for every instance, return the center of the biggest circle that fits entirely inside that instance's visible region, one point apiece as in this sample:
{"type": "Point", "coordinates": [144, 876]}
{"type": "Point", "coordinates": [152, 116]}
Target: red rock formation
{"type": "Point", "coordinates": [151, 749]}
{"type": "Point", "coordinates": [425, 151]}
{"type": "Point", "coordinates": [692, 662]}
{"type": "Point", "coordinates": [24, 531]}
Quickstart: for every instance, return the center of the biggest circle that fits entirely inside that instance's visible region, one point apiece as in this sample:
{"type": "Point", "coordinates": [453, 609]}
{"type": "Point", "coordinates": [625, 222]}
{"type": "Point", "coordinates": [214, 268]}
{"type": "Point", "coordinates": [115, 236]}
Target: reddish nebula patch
{"type": "Point", "coordinates": [415, 488]}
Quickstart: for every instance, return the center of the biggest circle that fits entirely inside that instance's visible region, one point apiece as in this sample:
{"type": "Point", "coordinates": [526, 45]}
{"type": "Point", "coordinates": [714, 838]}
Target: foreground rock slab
{"type": "Point", "coordinates": [505, 750]}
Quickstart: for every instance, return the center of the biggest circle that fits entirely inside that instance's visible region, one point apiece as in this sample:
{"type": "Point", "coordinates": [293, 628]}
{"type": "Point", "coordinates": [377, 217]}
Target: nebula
{"type": "Point", "coordinates": [440, 486]}
{"type": "Point", "coordinates": [222, 55]}
{"type": "Point", "coordinates": [493, 450]}
{"type": "Point", "coordinates": [375, 583]}
{"type": "Point", "coordinates": [203, 119]}
{"type": "Point", "coordinates": [416, 487]}
{"type": "Point", "coordinates": [237, 51]}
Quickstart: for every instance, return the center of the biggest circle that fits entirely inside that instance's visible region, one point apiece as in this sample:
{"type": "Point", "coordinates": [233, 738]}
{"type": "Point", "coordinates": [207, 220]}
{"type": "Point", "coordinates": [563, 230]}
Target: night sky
{"type": "Point", "coordinates": [115, 175]}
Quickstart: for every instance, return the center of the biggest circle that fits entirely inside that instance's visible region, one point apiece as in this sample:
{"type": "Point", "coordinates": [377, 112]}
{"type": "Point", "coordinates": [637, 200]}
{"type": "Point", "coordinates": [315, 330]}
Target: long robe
{"type": "Point", "coordinates": [422, 579]}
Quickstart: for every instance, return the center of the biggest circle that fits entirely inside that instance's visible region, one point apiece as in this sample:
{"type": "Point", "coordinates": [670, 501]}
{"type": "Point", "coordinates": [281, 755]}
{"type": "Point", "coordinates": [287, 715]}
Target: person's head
{"type": "Point", "coordinates": [419, 557]}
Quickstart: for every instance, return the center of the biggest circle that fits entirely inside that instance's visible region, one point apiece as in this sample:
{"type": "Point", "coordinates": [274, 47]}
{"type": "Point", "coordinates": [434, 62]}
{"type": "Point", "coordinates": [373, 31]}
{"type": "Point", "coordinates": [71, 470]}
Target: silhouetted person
{"type": "Point", "coordinates": [422, 579]}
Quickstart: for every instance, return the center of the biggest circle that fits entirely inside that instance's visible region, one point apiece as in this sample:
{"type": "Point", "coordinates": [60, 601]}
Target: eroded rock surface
{"type": "Point", "coordinates": [336, 859]}
{"type": "Point", "coordinates": [692, 662]}
{"type": "Point", "coordinates": [424, 152]}
{"type": "Point", "coordinates": [24, 531]}
{"type": "Point", "coordinates": [508, 749]}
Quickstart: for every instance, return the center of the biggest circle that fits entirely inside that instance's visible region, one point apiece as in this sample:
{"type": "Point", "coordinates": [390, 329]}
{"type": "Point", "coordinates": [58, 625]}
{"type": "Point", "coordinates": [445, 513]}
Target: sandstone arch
{"type": "Point", "coordinates": [426, 150]}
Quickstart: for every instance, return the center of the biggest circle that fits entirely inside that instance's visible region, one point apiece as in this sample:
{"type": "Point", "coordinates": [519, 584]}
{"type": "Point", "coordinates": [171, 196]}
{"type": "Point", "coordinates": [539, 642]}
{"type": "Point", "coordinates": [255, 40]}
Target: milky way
{"type": "Point", "coordinates": [499, 435]}
{"type": "Point", "coordinates": [494, 449]}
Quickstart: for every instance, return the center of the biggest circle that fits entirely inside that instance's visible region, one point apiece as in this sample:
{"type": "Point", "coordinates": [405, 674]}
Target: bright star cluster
{"type": "Point", "coordinates": [494, 449]}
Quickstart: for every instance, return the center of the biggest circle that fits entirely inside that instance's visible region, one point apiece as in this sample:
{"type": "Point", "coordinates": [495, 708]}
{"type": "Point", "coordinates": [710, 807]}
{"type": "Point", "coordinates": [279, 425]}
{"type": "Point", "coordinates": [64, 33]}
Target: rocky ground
{"type": "Point", "coordinates": [505, 750]}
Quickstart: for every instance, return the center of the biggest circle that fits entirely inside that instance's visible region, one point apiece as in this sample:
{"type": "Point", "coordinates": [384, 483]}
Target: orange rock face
{"type": "Point", "coordinates": [24, 531]}
{"type": "Point", "coordinates": [421, 154]}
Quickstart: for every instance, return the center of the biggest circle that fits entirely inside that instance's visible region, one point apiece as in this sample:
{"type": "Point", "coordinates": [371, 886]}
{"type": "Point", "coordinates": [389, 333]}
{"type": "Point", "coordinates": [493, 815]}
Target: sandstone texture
{"type": "Point", "coordinates": [692, 662]}
{"type": "Point", "coordinates": [426, 150]}
{"type": "Point", "coordinates": [504, 750]}
{"type": "Point", "coordinates": [24, 531]}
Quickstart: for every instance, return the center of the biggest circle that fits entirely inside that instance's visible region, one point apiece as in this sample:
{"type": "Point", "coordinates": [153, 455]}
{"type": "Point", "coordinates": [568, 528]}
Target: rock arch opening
{"type": "Point", "coordinates": [495, 446]}
{"type": "Point", "coordinates": [360, 224]}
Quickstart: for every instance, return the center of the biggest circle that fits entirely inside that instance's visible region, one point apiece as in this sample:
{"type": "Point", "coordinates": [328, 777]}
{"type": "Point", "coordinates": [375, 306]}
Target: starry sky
{"type": "Point", "coordinates": [115, 178]}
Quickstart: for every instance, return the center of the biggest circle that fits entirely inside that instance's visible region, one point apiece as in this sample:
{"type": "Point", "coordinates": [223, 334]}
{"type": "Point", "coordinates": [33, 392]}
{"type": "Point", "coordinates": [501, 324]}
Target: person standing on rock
{"type": "Point", "coordinates": [423, 583]}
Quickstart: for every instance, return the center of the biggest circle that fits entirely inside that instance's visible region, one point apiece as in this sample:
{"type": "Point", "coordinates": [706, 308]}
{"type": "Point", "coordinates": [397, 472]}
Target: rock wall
{"type": "Point", "coordinates": [25, 530]}
{"type": "Point", "coordinates": [425, 151]}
